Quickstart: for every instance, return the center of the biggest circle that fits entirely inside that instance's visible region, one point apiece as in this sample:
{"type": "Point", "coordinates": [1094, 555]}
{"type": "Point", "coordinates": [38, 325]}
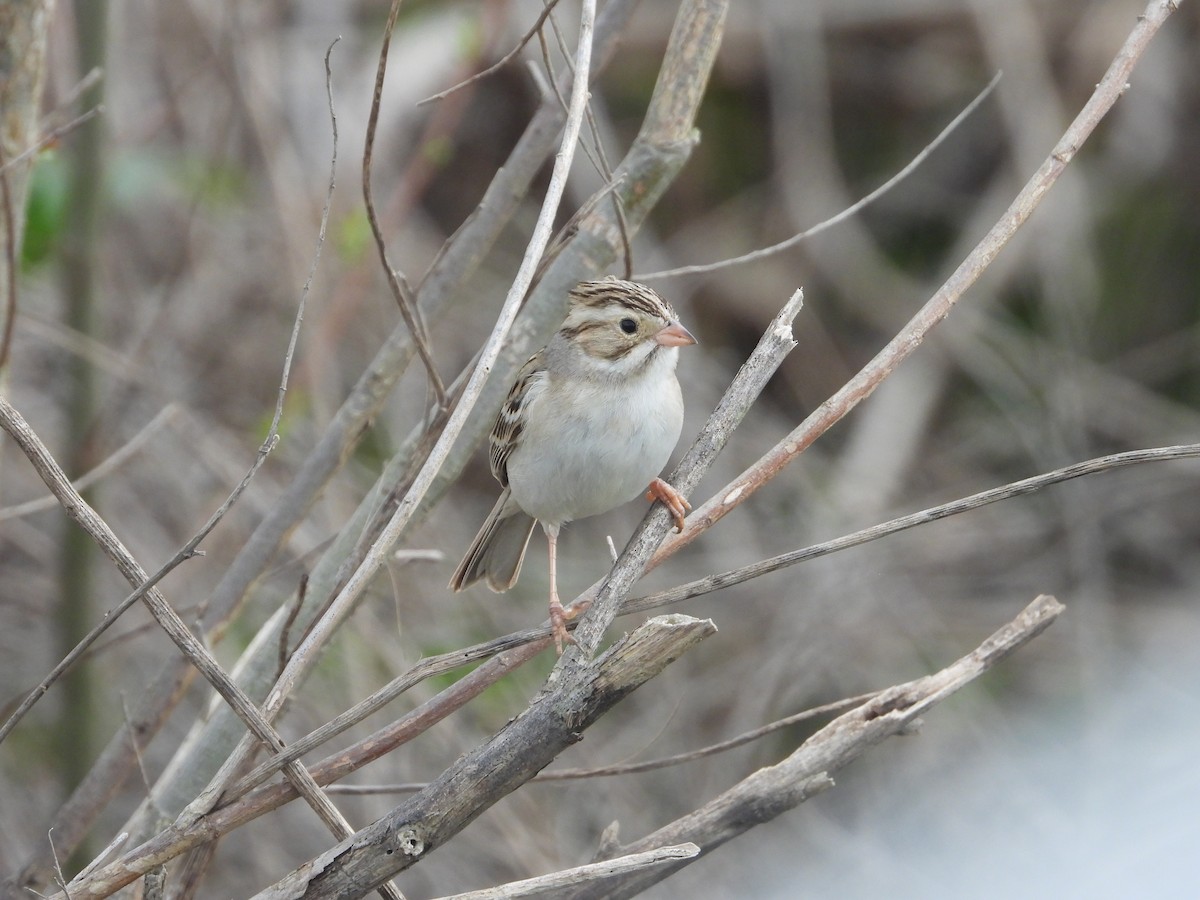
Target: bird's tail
{"type": "Point", "coordinates": [498, 550]}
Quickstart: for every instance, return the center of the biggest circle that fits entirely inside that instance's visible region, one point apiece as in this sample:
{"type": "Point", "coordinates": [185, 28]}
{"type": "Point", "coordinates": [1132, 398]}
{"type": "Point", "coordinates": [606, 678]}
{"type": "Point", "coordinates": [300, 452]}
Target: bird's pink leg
{"type": "Point", "coordinates": [558, 615]}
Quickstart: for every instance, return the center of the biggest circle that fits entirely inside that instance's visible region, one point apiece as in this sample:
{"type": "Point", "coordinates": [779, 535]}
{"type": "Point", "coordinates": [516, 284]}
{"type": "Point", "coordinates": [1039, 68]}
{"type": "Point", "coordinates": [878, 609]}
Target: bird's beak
{"type": "Point", "coordinates": [674, 335]}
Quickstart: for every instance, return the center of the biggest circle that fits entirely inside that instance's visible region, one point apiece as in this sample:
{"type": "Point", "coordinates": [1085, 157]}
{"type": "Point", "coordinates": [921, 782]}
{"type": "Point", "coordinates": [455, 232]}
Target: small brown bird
{"type": "Point", "coordinates": [589, 423]}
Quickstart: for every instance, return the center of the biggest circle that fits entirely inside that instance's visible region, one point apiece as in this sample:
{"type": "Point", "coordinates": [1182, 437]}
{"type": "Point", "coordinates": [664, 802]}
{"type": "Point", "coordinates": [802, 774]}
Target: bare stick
{"type": "Point", "coordinates": [858, 388]}
{"type": "Point", "coordinates": [408, 308]}
{"type": "Point", "coordinates": [773, 790]}
{"type": "Point", "coordinates": [846, 213]}
{"type": "Point", "coordinates": [60, 131]}
{"type": "Point", "coordinates": [501, 62]}
{"type": "Point", "coordinates": [580, 875]}
{"type": "Point", "coordinates": [10, 267]}
{"type": "Point", "coordinates": [649, 765]}
{"type": "Point", "coordinates": [932, 514]}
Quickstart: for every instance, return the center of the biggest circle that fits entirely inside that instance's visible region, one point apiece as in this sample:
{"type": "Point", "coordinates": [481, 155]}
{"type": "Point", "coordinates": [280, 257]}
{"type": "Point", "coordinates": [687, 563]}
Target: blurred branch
{"type": "Point", "coordinates": [773, 790]}
{"type": "Point", "coordinates": [483, 776]}
{"type": "Point", "coordinates": [408, 307]}
{"type": "Point", "coordinates": [54, 135]}
{"type": "Point", "coordinates": [852, 209]}
{"type": "Point", "coordinates": [23, 31]}
{"type": "Point", "coordinates": [1111, 87]}
{"type": "Point", "coordinates": [79, 255]}
{"type": "Point", "coordinates": [8, 224]}
{"type": "Point", "coordinates": [580, 875]}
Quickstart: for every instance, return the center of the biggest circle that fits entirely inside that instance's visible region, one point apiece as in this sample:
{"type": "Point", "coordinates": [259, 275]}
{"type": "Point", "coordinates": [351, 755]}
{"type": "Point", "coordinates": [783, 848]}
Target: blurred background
{"type": "Point", "coordinates": [166, 247]}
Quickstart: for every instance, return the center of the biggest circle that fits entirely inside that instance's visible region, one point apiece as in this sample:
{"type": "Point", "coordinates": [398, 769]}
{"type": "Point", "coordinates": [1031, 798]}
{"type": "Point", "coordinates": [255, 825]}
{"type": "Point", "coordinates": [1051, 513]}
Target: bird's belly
{"type": "Point", "coordinates": [594, 457]}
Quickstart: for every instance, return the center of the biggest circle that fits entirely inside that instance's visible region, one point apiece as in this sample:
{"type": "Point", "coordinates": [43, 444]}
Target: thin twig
{"type": "Point", "coordinates": [599, 160]}
{"type": "Point", "coordinates": [408, 307]}
{"type": "Point", "coordinates": [85, 84]}
{"type": "Point", "coordinates": [846, 213]}
{"type": "Point", "coordinates": [58, 132]}
{"type": "Point", "coordinates": [649, 765]}
{"type": "Point", "coordinates": [974, 501]}
{"type": "Point", "coordinates": [113, 846]}
{"type": "Point", "coordinates": [501, 62]}
{"type": "Point", "coordinates": [10, 261]}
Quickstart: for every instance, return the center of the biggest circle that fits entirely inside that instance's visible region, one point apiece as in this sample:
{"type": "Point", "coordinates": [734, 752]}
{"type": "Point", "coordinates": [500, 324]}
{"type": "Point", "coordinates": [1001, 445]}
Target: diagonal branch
{"type": "Point", "coordinates": [501, 62]}
{"type": "Point", "coordinates": [96, 528]}
{"type": "Point", "coordinates": [774, 790]}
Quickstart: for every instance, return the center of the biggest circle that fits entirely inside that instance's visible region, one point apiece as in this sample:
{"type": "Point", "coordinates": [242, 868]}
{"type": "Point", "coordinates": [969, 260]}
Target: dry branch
{"type": "Point", "coordinates": [196, 653]}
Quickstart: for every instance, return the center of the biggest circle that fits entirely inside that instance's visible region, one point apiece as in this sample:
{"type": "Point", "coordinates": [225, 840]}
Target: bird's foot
{"type": "Point", "coordinates": [558, 625]}
{"type": "Point", "coordinates": [671, 499]}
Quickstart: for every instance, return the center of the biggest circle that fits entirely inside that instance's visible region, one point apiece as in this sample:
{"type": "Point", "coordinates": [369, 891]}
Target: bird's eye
{"type": "Point", "coordinates": [629, 326]}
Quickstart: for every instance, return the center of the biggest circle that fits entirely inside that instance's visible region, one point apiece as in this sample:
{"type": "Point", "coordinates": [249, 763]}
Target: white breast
{"type": "Point", "coordinates": [596, 445]}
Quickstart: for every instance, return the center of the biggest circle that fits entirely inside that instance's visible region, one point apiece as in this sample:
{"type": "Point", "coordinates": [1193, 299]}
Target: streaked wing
{"type": "Point", "coordinates": [510, 423]}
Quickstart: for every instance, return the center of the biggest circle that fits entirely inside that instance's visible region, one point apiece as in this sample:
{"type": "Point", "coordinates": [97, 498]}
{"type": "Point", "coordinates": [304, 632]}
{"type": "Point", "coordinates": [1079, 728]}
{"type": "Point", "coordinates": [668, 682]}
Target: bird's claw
{"type": "Point", "coordinates": [558, 626]}
{"type": "Point", "coordinates": [671, 499]}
